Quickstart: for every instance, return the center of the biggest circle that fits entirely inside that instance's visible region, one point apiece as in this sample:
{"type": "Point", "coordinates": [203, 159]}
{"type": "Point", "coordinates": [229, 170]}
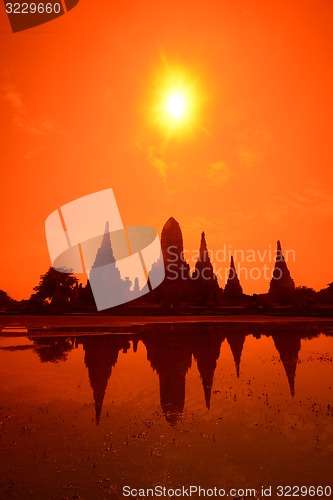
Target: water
{"type": "Point", "coordinates": [226, 405]}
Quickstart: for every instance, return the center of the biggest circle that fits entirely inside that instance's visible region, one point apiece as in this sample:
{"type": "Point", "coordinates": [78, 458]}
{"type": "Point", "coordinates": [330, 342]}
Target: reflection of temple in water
{"type": "Point", "coordinates": [288, 347]}
{"type": "Point", "coordinates": [206, 353]}
{"type": "Point", "coordinates": [236, 342]}
{"type": "Point", "coordinates": [53, 349]}
{"type": "Point", "coordinates": [100, 356]}
{"type": "Point", "coordinates": [170, 356]}
{"type": "Point", "coordinates": [169, 351]}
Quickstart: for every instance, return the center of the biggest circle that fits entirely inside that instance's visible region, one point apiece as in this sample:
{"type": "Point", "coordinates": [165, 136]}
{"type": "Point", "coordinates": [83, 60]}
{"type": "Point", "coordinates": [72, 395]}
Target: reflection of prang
{"type": "Point", "coordinates": [288, 348]}
{"type": "Point", "coordinates": [100, 356]}
{"type": "Point", "coordinates": [171, 358]}
{"type": "Point", "coordinates": [236, 342]}
{"type": "Point", "coordinates": [169, 351]}
{"type": "Point", "coordinates": [206, 352]}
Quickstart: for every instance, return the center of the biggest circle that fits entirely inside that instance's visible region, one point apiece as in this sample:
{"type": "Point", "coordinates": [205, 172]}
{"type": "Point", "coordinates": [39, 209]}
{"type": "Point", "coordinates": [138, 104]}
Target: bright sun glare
{"type": "Point", "coordinates": [176, 105]}
{"type": "Point", "coordinates": [176, 102]}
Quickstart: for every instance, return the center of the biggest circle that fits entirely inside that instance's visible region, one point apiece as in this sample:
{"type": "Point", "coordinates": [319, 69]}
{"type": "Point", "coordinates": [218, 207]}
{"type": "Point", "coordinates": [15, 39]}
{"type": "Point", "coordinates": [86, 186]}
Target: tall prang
{"type": "Point", "coordinates": [104, 254]}
{"type": "Point", "coordinates": [205, 287]}
{"type": "Point", "coordinates": [173, 248]}
{"type": "Point", "coordinates": [176, 286]}
{"type": "Point", "coordinates": [105, 278]}
{"type": "Point", "coordinates": [233, 291]}
{"type": "Point", "coordinates": [282, 286]}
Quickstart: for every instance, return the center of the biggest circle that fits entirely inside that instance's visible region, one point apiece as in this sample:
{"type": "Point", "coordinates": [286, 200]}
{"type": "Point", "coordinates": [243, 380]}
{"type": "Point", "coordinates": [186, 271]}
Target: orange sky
{"type": "Point", "coordinates": [75, 100]}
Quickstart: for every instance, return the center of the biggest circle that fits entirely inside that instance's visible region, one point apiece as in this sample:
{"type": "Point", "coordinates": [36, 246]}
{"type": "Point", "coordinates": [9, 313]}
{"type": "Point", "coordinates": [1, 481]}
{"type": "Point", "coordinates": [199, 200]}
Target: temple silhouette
{"type": "Point", "coordinates": [282, 286]}
{"type": "Point", "coordinates": [185, 289]}
{"type": "Point", "coordinates": [182, 288]}
{"type": "Point", "coordinates": [200, 288]}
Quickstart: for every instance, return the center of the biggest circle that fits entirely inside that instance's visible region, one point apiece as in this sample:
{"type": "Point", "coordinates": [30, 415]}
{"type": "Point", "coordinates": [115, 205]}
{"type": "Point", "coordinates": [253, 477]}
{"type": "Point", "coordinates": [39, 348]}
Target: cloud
{"type": "Point", "coordinates": [199, 223]}
{"type": "Point", "coordinates": [253, 146]}
{"type": "Point", "coordinates": [301, 205]}
{"type": "Point", "coordinates": [218, 173]}
{"type": "Point", "coordinates": [156, 160]}
{"type": "Point", "coordinates": [14, 99]}
{"type": "Point", "coordinates": [158, 163]}
{"type": "Point", "coordinates": [20, 118]}
{"type": "Point", "coordinates": [310, 201]}
{"type": "Point", "coordinates": [34, 152]}
{"type": "Point", "coordinates": [247, 157]}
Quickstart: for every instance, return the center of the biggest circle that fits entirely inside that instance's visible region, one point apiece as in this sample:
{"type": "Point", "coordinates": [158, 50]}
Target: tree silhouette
{"type": "Point", "coordinates": [305, 296]}
{"type": "Point", "coordinates": [5, 299]}
{"type": "Point", "coordinates": [56, 287]}
{"type": "Point", "coordinates": [325, 296]}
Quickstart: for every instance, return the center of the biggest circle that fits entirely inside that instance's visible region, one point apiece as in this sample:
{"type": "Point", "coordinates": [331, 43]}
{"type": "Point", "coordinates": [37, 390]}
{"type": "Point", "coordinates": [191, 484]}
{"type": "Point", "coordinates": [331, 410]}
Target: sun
{"type": "Point", "coordinates": [176, 105]}
{"type": "Point", "coordinates": [176, 102]}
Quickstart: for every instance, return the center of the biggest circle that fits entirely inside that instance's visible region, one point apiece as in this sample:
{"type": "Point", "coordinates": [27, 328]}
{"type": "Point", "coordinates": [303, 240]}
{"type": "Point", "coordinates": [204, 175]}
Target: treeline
{"type": "Point", "coordinates": [60, 292]}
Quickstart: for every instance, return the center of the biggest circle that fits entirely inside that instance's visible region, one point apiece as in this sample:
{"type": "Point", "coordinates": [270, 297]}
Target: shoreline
{"type": "Point", "coordinates": [24, 326]}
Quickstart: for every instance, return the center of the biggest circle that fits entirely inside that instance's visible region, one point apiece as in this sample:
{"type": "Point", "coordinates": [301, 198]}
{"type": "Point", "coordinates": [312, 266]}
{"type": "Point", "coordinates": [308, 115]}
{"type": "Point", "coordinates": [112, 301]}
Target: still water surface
{"type": "Point", "coordinates": [225, 405]}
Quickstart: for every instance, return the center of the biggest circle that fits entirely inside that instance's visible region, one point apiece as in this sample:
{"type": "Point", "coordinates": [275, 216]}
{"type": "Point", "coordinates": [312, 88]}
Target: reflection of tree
{"type": "Point", "coordinates": [53, 349]}
{"type": "Point", "coordinates": [169, 351]}
{"type": "Point", "coordinates": [100, 356]}
{"type": "Point", "coordinates": [170, 356]}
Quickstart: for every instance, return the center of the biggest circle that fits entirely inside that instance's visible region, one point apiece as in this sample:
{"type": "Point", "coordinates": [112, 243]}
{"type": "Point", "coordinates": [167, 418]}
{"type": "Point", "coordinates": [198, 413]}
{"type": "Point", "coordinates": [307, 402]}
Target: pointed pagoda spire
{"type": "Point", "coordinates": [233, 289]}
{"type": "Point", "coordinates": [205, 285]}
{"type": "Point", "coordinates": [203, 252]}
{"type": "Point", "coordinates": [203, 266]}
{"type": "Point", "coordinates": [282, 286]}
{"type": "Point", "coordinates": [104, 254]}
